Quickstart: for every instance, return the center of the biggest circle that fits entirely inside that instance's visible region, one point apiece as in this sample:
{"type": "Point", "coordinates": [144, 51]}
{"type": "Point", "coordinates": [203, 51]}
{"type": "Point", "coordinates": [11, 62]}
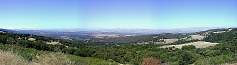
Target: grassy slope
{"type": "Point", "coordinates": [24, 56]}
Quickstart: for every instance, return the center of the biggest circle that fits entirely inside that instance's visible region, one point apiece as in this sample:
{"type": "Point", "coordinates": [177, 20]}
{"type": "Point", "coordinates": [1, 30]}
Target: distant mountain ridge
{"type": "Point", "coordinates": [84, 34]}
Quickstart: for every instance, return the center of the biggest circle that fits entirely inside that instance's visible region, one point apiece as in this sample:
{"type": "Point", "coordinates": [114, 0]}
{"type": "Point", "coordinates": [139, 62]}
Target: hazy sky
{"type": "Point", "coordinates": [98, 14]}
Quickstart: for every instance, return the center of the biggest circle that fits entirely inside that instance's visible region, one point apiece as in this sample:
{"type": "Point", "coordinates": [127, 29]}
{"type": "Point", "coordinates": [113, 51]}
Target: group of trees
{"type": "Point", "coordinates": [222, 37]}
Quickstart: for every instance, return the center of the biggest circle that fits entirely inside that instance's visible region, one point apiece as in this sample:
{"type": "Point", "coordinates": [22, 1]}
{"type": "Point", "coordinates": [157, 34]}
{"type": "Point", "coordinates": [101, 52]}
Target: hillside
{"type": "Point", "coordinates": [33, 49]}
{"type": "Point", "coordinates": [13, 55]}
{"type": "Point", "coordinates": [26, 49]}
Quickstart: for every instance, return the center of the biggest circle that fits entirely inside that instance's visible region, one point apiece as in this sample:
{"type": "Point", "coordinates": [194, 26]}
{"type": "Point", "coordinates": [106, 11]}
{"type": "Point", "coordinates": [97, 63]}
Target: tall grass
{"type": "Point", "coordinates": [9, 58]}
{"type": "Point", "coordinates": [53, 59]}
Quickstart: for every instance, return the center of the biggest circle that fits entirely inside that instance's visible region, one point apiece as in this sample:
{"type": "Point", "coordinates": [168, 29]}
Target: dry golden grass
{"type": "Point", "coordinates": [52, 59]}
{"type": "Point", "coordinates": [49, 58]}
{"type": "Point", "coordinates": [198, 44]}
{"type": "Point", "coordinates": [9, 58]}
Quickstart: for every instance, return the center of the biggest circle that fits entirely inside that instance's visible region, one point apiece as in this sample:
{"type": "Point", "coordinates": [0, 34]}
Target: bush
{"type": "Point", "coordinates": [188, 47]}
{"type": "Point", "coordinates": [221, 59]}
{"type": "Point", "coordinates": [186, 58]}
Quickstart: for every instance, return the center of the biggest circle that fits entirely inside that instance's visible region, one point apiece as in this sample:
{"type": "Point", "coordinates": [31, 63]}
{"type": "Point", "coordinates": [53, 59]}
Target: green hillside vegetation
{"type": "Point", "coordinates": [82, 53]}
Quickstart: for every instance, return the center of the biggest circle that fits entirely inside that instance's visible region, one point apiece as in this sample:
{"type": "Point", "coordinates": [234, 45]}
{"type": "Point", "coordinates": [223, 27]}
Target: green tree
{"type": "Point", "coordinates": [188, 47]}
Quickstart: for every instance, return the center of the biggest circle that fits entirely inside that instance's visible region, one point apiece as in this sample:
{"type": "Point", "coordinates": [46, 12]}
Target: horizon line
{"type": "Point", "coordinates": [112, 28]}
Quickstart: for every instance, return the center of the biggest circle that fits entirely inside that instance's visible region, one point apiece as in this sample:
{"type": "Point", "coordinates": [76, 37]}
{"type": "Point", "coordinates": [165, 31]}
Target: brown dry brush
{"type": "Point", "coordinates": [151, 61]}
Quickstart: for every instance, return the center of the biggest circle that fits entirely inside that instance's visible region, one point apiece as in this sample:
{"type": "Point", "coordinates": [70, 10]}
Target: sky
{"type": "Point", "coordinates": [113, 14]}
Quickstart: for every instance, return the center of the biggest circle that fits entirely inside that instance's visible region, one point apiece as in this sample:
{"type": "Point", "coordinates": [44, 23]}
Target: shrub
{"type": "Point", "coordinates": [221, 59]}
{"type": "Point", "coordinates": [186, 58]}
{"type": "Point", "coordinates": [188, 47]}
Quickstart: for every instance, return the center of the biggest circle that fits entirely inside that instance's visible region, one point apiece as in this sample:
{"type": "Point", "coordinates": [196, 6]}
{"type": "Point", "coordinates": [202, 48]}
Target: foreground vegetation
{"type": "Point", "coordinates": [14, 55]}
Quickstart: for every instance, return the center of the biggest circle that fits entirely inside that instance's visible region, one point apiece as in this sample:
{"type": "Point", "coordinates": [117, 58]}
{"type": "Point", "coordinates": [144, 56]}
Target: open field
{"type": "Point", "coordinates": [198, 44]}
